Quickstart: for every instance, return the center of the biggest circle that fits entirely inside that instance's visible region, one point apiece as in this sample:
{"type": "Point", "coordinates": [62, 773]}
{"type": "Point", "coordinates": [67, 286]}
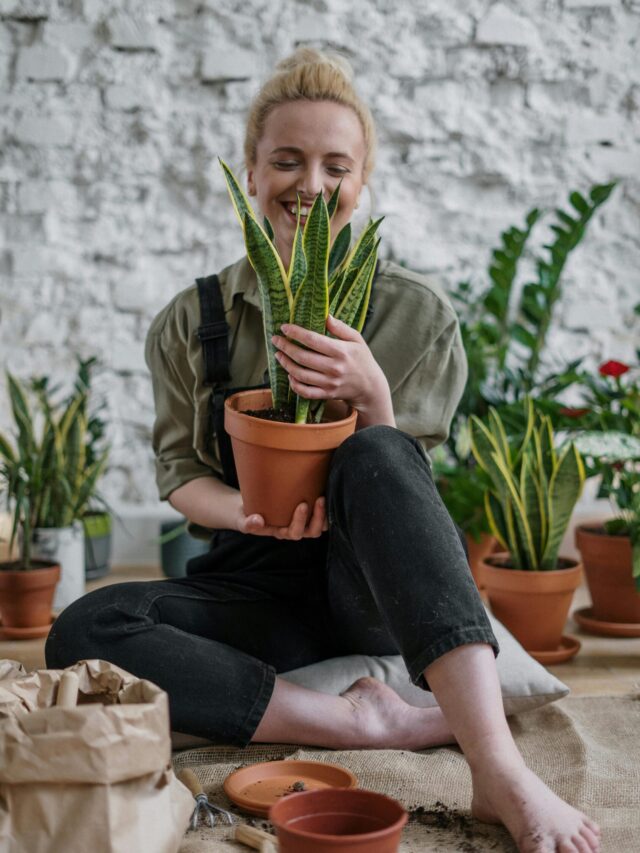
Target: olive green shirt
{"type": "Point", "coordinates": [413, 335]}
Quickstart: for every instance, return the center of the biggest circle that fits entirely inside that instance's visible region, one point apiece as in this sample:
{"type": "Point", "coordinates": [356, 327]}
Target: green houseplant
{"type": "Point", "coordinates": [533, 491]}
{"type": "Point", "coordinates": [323, 276]}
{"type": "Point", "coordinates": [47, 485]}
{"type": "Point", "coordinates": [609, 439]}
{"type": "Point", "coordinates": [504, 330]}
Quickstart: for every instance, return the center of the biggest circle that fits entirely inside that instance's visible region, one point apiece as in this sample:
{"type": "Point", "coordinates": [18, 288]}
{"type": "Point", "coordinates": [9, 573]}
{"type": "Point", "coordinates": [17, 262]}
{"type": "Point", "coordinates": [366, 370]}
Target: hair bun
{"type": "Point", "coordinates": [311, 56]}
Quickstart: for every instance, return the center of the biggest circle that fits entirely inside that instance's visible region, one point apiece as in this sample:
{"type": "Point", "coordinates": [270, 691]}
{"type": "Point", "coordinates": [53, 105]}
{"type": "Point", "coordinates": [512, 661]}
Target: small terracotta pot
{"type": "Point", "coordinates": [338, 820]}
{"type": "Point", "coordinates": [532, 605]}
{"type": "Point", "coordinates": [607, 566]}
{"type": "Point", "coordinates": [281, 465]}
{"type": "Point", "coordinates": [477, 552]}
{"type": "Point", "coordinates": [26, 595]}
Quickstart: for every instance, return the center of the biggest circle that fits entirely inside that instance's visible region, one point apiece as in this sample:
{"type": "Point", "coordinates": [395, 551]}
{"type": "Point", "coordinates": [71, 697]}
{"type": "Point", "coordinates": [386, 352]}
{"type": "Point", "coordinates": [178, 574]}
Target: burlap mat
{"type": "Point", "coordinates": [587, 749]}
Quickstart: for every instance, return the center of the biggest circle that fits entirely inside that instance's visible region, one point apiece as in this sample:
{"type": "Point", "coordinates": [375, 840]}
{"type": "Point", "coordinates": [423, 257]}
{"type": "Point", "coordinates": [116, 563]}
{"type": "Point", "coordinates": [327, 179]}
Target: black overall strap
{"type": "Point", "coordinates": [213, 333]}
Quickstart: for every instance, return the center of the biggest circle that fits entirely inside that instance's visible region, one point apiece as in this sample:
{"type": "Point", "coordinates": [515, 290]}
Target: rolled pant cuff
{"type": "Point", "coordinates": [247, 729]}
{"type": "Point", "coordinates": [461, 637]}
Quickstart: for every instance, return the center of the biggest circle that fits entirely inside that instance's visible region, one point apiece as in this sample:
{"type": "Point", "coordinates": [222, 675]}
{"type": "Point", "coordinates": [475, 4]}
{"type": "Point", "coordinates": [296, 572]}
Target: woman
{"type": "Point", "coordinates": [376, 566]}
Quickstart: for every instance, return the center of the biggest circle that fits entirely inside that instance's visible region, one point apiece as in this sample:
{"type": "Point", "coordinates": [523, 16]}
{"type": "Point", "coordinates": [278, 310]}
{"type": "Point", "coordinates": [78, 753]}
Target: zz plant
{"type": "Point", "coordinates": [321, 279]}
{"type": "Point", "coordinates": [46, 478]}
{"type": "Point", "coordinates": [534, 487]}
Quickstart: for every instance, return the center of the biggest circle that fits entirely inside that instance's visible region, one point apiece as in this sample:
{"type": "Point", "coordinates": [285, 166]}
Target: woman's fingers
{"type": "Point", "coordinates": [298, 527]}
{"type": "Point", "coordinates": [318, 520]}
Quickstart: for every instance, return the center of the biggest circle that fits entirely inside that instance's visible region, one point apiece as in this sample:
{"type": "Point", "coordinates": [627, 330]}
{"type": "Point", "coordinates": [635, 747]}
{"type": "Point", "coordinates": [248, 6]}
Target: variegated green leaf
{"type": "Point", "coordinates": [353, 262]}
{"type": "Point", "coordinates": [499, 433]}
{"type": "Point", "coordinates": [484, 448]}
{"type": "Point", "coordinates": [351, 305]}
{"type": "Point", "coordinates": [298, 264]}
{"type": "Point", "coordinates": [6, 450]}
{"type": "Point", "coordinates": [525, 539]}
{"type": "Point", "coordinates": [496, 518]}
{"type": "Point", "coordinates": [21, 415]}
{"type": "Point", "coordinates": [238, 198]}
{"type": "Point", "coordinates": [565, 486]}
{"type": "Point", "coordinates": [276, 301]}
{"type": "Point", "coordinates": [268, 229]}
{"type": "Point", "coordinates": [332, 204]}
{"type": "Point", "coordinates": [340, 249]}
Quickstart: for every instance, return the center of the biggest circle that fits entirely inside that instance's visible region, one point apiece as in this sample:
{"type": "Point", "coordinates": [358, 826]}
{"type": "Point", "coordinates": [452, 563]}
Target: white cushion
{"type": "Point", "coordinates": [525, 683]}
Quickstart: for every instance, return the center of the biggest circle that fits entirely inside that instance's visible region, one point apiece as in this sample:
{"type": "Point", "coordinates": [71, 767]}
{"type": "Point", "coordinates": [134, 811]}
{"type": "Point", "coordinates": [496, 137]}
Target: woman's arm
{"type": "Point", "coordinates": [208, 502]}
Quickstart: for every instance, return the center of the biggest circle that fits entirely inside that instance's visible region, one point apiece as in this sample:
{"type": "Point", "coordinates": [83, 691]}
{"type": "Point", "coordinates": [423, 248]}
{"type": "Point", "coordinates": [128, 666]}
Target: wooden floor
{"type": "Point", "coordinates": [602, 666]}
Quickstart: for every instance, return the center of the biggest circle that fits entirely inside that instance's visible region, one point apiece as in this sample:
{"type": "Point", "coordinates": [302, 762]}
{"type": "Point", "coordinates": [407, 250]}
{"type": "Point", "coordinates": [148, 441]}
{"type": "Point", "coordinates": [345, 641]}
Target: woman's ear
{"type": "Point", "coordinates": [251, 187]}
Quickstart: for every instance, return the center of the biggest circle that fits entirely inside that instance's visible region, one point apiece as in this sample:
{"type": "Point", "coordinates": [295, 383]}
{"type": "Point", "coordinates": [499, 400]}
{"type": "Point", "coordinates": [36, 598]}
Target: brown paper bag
{"type": "Point", "coordinates": [96, 778]}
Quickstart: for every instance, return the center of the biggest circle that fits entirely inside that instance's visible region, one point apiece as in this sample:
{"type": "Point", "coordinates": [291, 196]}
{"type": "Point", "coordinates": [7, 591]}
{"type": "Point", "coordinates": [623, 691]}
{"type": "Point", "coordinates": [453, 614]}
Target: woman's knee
{"type": "Point", "coordinates": [374, 450]}
{"type": "Point", "coordinates": [86, 627]}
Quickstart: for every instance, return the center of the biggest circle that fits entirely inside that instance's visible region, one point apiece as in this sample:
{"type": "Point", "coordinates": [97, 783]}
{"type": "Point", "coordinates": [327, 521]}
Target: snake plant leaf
{"type": "Point", "coordinates": [298, 263]}
{"type": "Point", "coordinates": [339, 249]}
{"type": "Point", "coordinates": [21, 415]}
{"type": "Point", "coordinates": [496, 519]}
{"type": "Point", "coordinates": [534, 506]}
{"type": "Point", "coordinates": [361, 314]}
{"type": "Point", "coordinates": [565, 486]}
{"type": "Point", "coordinates": [332, 204]}
{"type": "Point", "coordinates": [549, 454]}
{"type": "Point", "coordinates": [530, 419]}
{"type": "Point", "coordinates": [353, 262]}
{"type": "Point", "coordinates": [311, 303]}
{"type": "Point", "coordinates": [499, 433]}
{"type": "Point", "coordinates": [351, 305]}
{"type": "Point", "coordinates": [525, 554]}
{"type": "Point", "coordinates": [238, 198]}
{"type": "Point", "coordinates": [484, 447]}
{"type": "Point", "coordinates": [268, 229]}
{"type": "Point", "coordinates": [6, 451]}
{"type": "Point", "coordinates": [276, 301]}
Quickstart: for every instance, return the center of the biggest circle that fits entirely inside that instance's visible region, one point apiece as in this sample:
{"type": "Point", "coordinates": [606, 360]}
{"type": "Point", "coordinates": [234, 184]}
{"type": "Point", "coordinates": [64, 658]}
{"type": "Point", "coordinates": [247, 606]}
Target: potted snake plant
{"type": "Point", "coordinates": [282, 443]}
{"type": "Point", "coordinates": [47, 485]}
{"type": "Point", "coordinates": [534, 488]}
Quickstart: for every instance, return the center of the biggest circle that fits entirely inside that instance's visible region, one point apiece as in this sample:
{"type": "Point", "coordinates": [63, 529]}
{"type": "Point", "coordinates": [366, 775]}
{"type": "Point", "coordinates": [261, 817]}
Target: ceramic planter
{"type": "Point", "coordinates": [336, 820]}
{"type": "Point", "coordinates": [176, 553]}
{"type": "Point", "coordinates": [26, 598]}
{"type": "Point", "coordinates": [477, 553]}
{"type": "Point", "coordinates": [97, 544]}
{"type": "Point", "coordinates": [533, 605]}
{"type": "Point", "coordinates": [65, 546]}
{"type": "Point", "coordinates": [280, 465]}
{"type": "Point", "coordinates": [607, 566]}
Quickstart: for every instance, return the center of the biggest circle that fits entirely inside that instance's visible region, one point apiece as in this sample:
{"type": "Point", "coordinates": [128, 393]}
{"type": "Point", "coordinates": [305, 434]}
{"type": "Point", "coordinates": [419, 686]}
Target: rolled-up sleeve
{"type": "Point", "coordinates": [176, 457]}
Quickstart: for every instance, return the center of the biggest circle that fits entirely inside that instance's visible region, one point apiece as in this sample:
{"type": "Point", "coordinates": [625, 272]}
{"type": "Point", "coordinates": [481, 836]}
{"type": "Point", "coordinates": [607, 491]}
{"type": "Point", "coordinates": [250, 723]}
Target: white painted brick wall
{"type": "Point", "coordinates": [112, 115]}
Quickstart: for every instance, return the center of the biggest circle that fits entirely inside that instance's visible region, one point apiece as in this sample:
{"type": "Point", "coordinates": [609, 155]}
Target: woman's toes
{"type": "Point", "coordinates": [581, 844]}
{"type": "Point", "coordinates": [591, 838]}
{"type": "Point", "coordinates": [592, 826]}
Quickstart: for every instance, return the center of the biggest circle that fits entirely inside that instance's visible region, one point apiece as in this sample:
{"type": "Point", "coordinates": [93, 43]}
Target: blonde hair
{"type": "Point", "coordinates": [309, 74]}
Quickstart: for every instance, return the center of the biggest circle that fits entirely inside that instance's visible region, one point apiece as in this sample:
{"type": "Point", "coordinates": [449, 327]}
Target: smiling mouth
{"type": "Point", "coordinates": [291, 211]}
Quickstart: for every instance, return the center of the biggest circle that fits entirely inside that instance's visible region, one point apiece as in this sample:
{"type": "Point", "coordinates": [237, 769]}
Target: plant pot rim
{"type": "Point", "coordinates": [573, 563]}
{"type": "Point", "coordinates": [36, 565]}
{"type": "Point", "coordinates": [597, 528]}
{"type": "Point", "coordinates": [355, 838]}
{"type": "Point", "coordinates": [283, 425]}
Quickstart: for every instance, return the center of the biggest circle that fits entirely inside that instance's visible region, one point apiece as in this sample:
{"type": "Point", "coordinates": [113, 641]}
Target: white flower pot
{"type": "Point", "coordinates": [64, 545]}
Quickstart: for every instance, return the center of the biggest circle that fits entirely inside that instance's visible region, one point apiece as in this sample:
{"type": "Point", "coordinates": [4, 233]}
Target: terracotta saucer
{"type": "Point", "coordinates": [31, 633]}
{"type": "Point", "coordinates": [569, 646]}
{"type": "Point", "coordinates": [257, 787]}
{"type": "Point", "coordinates": [605, 629]}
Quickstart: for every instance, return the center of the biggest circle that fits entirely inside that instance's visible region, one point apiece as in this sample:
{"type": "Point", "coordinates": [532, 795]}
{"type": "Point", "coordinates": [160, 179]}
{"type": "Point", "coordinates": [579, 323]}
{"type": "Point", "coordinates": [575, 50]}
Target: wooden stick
{"type": "Point", "coordinates": [256, 838]}
{"type": "Point", "coordinates": [189, 778]}
{"type": "Point", "coordinates": [68, 690]}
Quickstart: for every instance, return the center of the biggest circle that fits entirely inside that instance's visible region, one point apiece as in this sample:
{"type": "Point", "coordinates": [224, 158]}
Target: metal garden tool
{"type": "Point", "coordinates": [203, 806]}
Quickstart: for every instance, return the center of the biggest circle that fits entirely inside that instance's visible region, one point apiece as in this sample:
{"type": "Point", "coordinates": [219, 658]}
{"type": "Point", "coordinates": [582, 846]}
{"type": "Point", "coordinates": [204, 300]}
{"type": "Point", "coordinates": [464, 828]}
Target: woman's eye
{"type": "Point", "coordinates": [289, 164]}
{"type": "Point", "coordinates": [338, 170]}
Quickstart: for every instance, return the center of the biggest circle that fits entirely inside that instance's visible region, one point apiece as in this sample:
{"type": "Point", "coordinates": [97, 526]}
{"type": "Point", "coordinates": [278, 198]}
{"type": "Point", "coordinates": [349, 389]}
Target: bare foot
{"type": "Point", "coordinates": [540, 822]}
{"type": "Point", "coordinates": [382, 720]}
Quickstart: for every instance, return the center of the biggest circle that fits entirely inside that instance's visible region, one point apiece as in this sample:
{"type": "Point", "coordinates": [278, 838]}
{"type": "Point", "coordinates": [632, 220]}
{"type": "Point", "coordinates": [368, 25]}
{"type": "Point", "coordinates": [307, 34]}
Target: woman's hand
{"type": "Point", "coordinates": [338, 368]}
{"type": "Point", "coordinates": [298, 528]}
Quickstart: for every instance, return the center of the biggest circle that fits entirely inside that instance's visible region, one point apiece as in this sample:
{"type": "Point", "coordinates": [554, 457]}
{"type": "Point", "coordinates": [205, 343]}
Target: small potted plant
{"type": "Point", "coordinates": [47, 485]}
{"type": "Point", "coordinates": [534, 489]}
{"type": "Point", "coordinates": [609, 439]}
{"type": "Point", "coordinates": [282, 442]}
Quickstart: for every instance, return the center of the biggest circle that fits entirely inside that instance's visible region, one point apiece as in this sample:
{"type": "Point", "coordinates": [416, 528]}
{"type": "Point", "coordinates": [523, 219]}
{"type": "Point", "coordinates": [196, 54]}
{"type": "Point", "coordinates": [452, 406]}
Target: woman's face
{"type": "Point", "coordinates": [306, 147]}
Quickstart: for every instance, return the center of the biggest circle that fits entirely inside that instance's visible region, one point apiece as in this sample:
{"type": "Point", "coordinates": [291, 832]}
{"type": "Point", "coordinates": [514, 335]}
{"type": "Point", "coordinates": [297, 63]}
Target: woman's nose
{"type": "Point", "coordinates": [310, 183]}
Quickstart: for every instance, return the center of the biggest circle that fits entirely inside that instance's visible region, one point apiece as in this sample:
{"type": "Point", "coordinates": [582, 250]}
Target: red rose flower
{"type": "Point", "coordinates": [613, 368]}
{"type": "Point", "coordinates": [573, 413]}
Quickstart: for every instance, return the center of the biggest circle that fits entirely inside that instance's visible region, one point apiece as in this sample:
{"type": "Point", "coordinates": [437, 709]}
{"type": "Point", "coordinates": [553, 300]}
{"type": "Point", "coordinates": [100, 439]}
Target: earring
{"type": "Point", "coordinates": [356, 205]}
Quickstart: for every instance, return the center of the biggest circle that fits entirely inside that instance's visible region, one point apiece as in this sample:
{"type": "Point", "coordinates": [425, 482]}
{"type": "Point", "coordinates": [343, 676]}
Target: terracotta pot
{"type": "Point", "coordinates": [338, 820]}
{"type": "Point", "coordinates": [533, 605]}
{"type": "Point", "coordinates": [477, 552]}
{"type": "Point", "coordinates": [26, 597]}
{"type": "Point", "coordinates": [280, 465]}
{"type": "Point", "coordinates": [607, 566]}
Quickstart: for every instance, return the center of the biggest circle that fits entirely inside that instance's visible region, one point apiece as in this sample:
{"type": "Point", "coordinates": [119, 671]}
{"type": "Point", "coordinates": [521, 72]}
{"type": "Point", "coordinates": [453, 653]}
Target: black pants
{"type": "Point", "coordinates": [389, 577]}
